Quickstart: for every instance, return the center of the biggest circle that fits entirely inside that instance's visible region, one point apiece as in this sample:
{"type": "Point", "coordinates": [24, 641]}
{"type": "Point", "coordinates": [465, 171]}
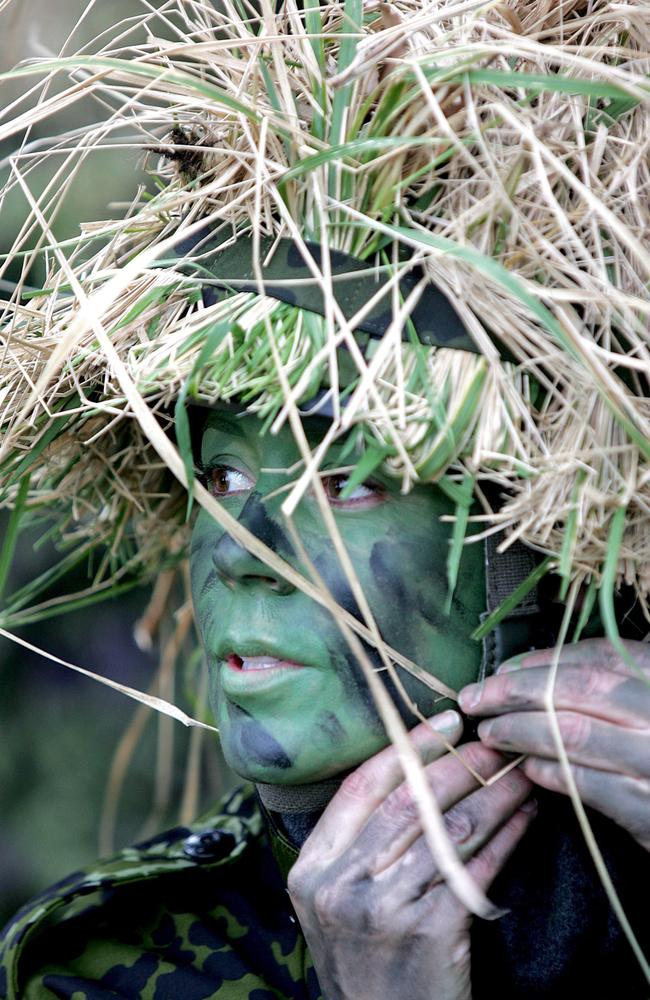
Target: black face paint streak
{"type": "Point", "coordinates": [257, 744]}
{"type": "Point", "coordinates": [409, 602]}
{"type": "Point", "coordinates": [332, 728]}
{"type": "Point", "coordinates": [254, 516]}
{"type": "Point", "coordinates": [355, 683]}
{"type": "Point", "coordinates": [211, 579]}
{"type": "Point", "coordinates": [337, 584]}
{"type": "Point", "coordinates": [380, 563]}
{"type": "Point", "coordinates": [199, 542]}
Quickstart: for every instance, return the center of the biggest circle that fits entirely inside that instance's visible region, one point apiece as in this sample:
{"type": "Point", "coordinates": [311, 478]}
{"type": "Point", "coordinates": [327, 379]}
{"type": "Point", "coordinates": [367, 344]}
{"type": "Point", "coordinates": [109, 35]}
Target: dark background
{"type": "Point", "coordinates": [59, 731]}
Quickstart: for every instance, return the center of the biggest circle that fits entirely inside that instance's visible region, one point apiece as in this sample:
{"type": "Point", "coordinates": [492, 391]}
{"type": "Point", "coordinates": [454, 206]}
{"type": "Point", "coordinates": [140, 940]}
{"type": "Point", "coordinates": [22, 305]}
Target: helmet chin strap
{"type": "Point", "coordinates": [519, 630]}
{"type": "Point", "coordinates": [292, 812]}
{"type": "Point", "coordinates": [312, 797]}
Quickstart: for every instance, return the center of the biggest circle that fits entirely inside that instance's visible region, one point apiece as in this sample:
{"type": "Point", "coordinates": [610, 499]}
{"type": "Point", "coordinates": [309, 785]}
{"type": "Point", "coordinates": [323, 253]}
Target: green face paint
{"type": "Point", "coordinates": [290, 700]}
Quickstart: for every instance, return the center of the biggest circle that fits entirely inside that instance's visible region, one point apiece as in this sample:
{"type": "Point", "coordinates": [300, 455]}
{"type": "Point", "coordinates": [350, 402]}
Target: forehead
{"type": "Point", "coordinates": [232, 425]}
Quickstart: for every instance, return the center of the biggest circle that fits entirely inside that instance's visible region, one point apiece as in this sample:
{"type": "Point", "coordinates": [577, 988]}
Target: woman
{"type": "Point", "coordinates": [324, 579]}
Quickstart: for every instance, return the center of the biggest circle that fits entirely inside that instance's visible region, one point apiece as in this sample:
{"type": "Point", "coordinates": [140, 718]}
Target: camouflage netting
{"type": "Point", "coordinates": [505, 145]}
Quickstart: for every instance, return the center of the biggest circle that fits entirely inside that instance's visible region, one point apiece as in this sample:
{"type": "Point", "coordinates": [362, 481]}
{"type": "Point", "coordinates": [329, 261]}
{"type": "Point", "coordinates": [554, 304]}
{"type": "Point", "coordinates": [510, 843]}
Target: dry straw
{"type": "Point", "coordinates": [504, 145]}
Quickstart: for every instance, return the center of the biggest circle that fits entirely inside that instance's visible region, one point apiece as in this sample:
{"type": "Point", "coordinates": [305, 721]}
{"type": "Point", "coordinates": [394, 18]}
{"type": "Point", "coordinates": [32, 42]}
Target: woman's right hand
{"type": "Point", "coordinates": [378, 921]}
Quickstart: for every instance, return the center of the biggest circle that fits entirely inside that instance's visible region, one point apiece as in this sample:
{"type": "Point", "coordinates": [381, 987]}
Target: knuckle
{"type": "Point", "coordinates": [514, 783]}
{"type": "Point", "coordinates": [584, 681]}
{"type": "Point", "coordinates": [604, 652]}
{"type": "Point", "coordinates": [325, 903]}
{"type": "Point", "coordinates": [359, 785]}
{"type": "Point", "coordinates": [337, 903]}
{"type": "Point", "coordinates": [478, 756]}
{"type": "Point", "coordinates": [546, 773]}
{"type": "Point", "coordinates": [334, 901]}
{"type": "Point", "coordinates": [400, 805]}
{"type": "Point", "coordinates": [460, 823]}
{"type": "Point", "coordinates": [575, 730]}
{"type": "Point", "coordinates": [486, 864]}
{"type": "Point", "coordinates": [298, 881]}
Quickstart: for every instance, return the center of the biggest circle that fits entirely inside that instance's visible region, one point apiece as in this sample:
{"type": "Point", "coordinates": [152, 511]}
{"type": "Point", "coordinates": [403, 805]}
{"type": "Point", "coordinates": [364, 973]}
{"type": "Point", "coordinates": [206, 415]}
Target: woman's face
{"type": "Point", "coordinates": [290, 700]}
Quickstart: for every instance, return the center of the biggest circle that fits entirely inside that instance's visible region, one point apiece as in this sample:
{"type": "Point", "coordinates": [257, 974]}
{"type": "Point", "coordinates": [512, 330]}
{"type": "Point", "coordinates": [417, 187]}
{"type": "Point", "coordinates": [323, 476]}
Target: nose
{"type": "Point", "coordinates": [236, 566]}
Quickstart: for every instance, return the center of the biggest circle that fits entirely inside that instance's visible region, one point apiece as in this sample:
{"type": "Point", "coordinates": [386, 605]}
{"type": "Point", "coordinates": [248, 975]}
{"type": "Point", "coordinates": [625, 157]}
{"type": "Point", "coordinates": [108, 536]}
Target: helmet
{"type": "Point", "coordinates": [374, 210]}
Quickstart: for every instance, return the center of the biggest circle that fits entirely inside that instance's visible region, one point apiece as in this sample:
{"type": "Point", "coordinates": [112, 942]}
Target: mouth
{"type": "Point", "coordinates": [241, 664]}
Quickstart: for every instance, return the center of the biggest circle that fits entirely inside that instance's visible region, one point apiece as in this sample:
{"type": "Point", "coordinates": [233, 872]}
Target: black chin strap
{"type": "Point", "coordinates": [519, 631]}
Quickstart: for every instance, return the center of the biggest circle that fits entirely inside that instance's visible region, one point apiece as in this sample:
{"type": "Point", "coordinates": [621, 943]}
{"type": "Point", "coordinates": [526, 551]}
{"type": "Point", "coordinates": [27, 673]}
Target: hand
{"type": "Point", "coordinates": [603, 711]}
{"type": "Point", "coordinates": [378, 921]}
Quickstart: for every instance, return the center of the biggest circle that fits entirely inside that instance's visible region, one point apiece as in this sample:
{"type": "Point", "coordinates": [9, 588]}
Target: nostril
{"type": "Point", "coordinates": [258, 578]}
{"type": "Point", "coordinates": [236, 566]}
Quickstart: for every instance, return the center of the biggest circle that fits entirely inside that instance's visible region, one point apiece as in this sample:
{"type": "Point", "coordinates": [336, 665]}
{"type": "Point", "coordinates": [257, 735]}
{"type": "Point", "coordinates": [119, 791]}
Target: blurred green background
{"type": "Point", "coordinates": [59, 730]}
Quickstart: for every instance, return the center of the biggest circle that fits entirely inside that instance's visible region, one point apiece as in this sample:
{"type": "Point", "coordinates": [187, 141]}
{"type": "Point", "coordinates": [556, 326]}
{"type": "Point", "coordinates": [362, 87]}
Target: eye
{"type": "Point", "coordinates": [364, 495]}
{"type": "Point", "coordinates": [224, 481]}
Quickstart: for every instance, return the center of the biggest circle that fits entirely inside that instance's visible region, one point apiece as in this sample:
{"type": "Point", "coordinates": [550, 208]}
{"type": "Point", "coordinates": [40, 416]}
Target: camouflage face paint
{"type": "Point", "coordinates": [289, 699]}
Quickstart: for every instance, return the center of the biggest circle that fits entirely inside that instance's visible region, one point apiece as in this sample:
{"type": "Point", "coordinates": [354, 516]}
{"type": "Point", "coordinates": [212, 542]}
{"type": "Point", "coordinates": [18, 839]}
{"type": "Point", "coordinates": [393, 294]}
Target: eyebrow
{"type": "Point", "coordinates": [227, 424]}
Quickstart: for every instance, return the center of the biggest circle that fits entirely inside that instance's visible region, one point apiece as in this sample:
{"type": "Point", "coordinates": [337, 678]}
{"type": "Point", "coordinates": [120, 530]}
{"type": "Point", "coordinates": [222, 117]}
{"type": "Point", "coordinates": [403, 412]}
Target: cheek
{"type": "Point", "coordinates": [204, 580]}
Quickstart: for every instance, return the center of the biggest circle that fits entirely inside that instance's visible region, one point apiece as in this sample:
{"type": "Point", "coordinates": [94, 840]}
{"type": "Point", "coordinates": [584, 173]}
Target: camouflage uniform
{"type": "Point", "coordinates": [202, 913]}
{"type": "Point", "coordinates": [199, 912]}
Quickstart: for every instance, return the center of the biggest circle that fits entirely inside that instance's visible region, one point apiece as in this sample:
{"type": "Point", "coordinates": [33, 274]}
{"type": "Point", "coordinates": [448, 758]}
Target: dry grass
{"type": "Point", "coordinates": [509, 145]}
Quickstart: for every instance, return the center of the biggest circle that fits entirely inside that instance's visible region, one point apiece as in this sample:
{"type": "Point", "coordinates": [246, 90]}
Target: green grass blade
{"type": "Point", "coordinates": [453, 435]}
{"type": "Point", "coordinates": [551, 82]}
{"type": "Point", "coordinates": [463, 505]}
{"type": "Point", "coordinates": [30, 616]}
{"type": "Point", "coordinates": [97, 63]}
{"type": "Point", "coordinates": [155, 295]}
{"type": "Point", "coordinates": [12, 533]}
{"type": "Point", "coordinates": [34, 588]}
{"type": "Point", "coordinates": [371, 459]}
{"type": "Point", "coordinates": [515, 598]}
{"type": "Point", "coordinates": [353, 13]}
{"type": "Point", "coordinates": [588, 602]}
{"type": "Point", "coordinates": [497, 272]}
{"type": "Point", "coordinates": [607, 588]}
{"type": "Point", "coordinates": [29, 461]}
{"type": "Point", "coordinates": [355, 148]}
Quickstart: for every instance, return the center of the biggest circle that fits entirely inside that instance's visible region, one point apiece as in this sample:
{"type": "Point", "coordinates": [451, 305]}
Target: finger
{"type": "Point", "coordinates": [599, 652]}
{"type": "Point", "coordinates": [624, 799]}
{"type": "Point", "coordinates": [366, 788]}
{"type": "Point", "coordinates": [588, 688]}
{"type": "Point", "coordinates": [442, 905]}
{"type": "Point", "coordinates": [587, 741]}
{"type": "Point", "coordinates": [470, 824]}
{"type": "Point", "coordinates": [395, 824]}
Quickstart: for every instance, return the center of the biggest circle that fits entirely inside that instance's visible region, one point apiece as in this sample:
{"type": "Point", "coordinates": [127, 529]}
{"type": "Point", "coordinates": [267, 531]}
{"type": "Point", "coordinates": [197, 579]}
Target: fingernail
{"type": "Point", "coordinates": [514, 663]}
{"type": "Point", "coordinates": [447, 721]}
{"type": "Point", "coordinates": [469, 697]}
{"type": "Point", "coordinates": [483, 730]}
{"type": "Point", "coordinates": [529, 806]}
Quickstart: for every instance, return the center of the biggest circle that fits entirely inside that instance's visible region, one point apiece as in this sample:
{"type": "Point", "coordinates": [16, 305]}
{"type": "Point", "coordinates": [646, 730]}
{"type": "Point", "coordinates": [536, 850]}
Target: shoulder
{"type": "Point", "coordinates": [214, 842]}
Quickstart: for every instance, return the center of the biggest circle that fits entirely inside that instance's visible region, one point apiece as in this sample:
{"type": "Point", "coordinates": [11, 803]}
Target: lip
{"type": "Point", "coordinates": [236, 682]}
{"type": "Point", "coordinates": [237, 646]}
{"type": "Point", "coordinates": [231, 663]}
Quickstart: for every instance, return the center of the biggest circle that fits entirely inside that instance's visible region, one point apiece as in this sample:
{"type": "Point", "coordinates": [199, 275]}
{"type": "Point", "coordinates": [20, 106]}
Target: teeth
{"type": "Point", "coordinates": [258, 662]}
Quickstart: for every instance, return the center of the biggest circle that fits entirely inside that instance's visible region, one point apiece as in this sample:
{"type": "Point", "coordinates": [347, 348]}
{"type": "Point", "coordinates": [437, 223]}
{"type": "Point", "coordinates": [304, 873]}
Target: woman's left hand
{"type": "Point", "coordinates": [603, 713]}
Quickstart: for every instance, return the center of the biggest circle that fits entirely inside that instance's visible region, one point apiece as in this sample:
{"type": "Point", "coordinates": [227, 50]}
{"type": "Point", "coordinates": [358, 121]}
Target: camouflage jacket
{"type": "Point", "coordinates": [196, 913]}
{"type": "Point", "coordinates": [202, 913]}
